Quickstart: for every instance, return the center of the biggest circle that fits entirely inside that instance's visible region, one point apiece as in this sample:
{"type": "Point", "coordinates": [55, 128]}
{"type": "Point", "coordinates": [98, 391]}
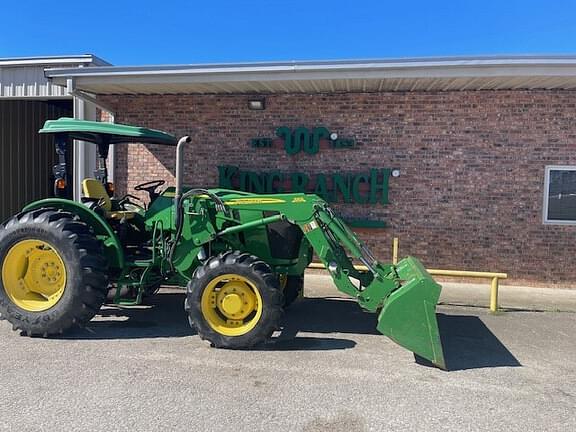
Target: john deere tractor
{"type": "Point", "coordinates": [240, 256]}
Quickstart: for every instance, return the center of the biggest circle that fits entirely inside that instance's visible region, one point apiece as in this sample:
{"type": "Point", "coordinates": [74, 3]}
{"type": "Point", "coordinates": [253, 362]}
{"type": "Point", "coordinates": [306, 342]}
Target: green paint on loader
{"type": "Point", "coordinates": [409, 314]}
{"type": "Point", "coordinates": [240, 255]}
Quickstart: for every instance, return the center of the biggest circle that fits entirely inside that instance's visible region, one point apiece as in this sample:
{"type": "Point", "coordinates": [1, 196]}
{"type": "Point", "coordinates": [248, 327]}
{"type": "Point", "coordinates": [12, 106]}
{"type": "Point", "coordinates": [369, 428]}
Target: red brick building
{"type": "Point", "coordinates": [473, 161]}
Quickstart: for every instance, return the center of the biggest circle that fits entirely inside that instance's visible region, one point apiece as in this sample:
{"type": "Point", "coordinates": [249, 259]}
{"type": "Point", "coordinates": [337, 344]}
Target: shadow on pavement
{"type": "Point", "coordinates": [162, 316]}
{"type": "Point", "coordinates": [469, 344]}
{"type": "Point", "coordinates": [300, 343]}
{"type": "Point", "coordinates": [320, 315]}
{"type": "Point", "coordinates": [328, 315]}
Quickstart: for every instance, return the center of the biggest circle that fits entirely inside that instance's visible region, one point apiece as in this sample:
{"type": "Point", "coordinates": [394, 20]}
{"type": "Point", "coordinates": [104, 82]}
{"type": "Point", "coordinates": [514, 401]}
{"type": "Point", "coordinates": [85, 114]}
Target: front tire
{"type": "Point", "coordinates": [234, 300]}
{"type": "Point", "coordinates": [53, 274]}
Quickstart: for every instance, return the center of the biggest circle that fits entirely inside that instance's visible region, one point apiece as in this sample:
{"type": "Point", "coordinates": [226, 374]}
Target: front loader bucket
{"type": "Point", "coordinates": [409, 313]}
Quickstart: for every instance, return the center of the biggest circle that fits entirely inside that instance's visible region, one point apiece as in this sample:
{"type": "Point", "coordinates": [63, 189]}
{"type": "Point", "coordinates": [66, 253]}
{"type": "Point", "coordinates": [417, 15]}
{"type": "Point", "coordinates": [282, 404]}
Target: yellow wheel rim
{"type": "Point", "coordinates": [33, 275]}
{"type": "Point", "coordinates": [231, 304]}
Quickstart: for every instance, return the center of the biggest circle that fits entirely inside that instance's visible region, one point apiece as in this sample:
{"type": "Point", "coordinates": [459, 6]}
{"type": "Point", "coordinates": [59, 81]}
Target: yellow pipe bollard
{"type": "Point", "coordinates": [395, 251]}
{"type": "Point", "coordinates": [494, 295]}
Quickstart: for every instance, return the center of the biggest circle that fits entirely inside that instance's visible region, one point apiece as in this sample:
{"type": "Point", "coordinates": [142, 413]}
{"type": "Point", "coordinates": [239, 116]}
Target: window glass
{"type": "Point", "coordinates": [561, 195]}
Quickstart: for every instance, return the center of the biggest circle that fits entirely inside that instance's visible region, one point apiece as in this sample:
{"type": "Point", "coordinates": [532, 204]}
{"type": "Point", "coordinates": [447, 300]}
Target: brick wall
{"type": "Point", "coordinates": [470, 192]}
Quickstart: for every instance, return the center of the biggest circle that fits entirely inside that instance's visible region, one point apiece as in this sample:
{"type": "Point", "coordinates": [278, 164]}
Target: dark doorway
{"type": "Point", "coordinates": [26, 157]}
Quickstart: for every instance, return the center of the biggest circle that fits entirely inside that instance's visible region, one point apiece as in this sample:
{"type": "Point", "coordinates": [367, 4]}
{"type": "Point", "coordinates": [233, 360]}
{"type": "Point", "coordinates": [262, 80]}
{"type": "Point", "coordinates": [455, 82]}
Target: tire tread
{"type": "Point", "coordinates": [244, 264]}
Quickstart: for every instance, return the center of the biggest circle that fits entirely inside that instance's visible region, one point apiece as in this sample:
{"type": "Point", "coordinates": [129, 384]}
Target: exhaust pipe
{"type": "Point", "coordinates": [179, 175]}
{"type": "Point", "coordinates": [178, 192]}
{"type": "Point", "coordinates": [179, 196]}
{"type": "Point", "coordinates": [180, 164]}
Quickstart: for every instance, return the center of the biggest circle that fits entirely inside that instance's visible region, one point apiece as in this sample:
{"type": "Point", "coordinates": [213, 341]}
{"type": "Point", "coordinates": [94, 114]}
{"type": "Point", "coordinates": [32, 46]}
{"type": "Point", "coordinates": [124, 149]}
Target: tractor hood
{"type": "Point", "coordinates": [106, 133]}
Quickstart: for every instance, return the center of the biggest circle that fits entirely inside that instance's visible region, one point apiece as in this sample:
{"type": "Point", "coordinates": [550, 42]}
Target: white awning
{"type": "Point", "coordinates": [417, 74]}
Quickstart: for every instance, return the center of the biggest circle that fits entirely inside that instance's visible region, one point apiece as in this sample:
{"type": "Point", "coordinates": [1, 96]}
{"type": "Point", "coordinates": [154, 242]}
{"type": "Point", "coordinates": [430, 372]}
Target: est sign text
{"type": "Point", "coordinates": [367, 187]}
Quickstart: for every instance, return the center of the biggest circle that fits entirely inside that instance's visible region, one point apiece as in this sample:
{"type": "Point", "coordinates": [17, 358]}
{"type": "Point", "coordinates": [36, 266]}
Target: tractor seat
{"type": "Point", "coordinates": [94, 189]}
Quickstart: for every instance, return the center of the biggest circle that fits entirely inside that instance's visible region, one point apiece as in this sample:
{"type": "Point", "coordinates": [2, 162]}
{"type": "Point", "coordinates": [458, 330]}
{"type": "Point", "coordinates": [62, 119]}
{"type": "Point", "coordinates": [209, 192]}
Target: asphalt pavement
{"type": "Point", "coordinates": [144, 369]}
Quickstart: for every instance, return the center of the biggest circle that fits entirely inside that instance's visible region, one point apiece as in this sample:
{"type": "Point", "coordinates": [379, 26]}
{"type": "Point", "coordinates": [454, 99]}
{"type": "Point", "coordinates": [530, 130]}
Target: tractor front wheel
{"type": "Point", "coordinates": [234, 300]}
{"type": "Point", "coordinates": [53, 274]}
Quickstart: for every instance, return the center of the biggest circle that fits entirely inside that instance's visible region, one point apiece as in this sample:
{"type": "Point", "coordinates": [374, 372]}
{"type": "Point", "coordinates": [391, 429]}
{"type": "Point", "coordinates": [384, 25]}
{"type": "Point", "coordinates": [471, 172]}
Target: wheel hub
{"type": "Point", "coordinates": [33, 275]}
{"type": "Point", "coordinates": [231, 304]}
{"type": "Point", "coordinates": [235, 300]}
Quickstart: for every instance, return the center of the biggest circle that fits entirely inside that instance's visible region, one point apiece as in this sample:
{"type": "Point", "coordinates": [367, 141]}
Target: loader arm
{"type": "Point", "coordinates": [405, 293]}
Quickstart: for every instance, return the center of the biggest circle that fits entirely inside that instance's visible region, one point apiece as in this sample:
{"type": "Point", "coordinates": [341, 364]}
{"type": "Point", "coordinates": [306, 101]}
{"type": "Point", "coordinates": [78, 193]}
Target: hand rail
{"type": "Point", "coordinates": [494, 284]}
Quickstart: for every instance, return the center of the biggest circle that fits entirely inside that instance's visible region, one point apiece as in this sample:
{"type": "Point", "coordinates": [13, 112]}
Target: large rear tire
{"type": "Point", "coordinates": [234, 301]}
{"type": "Point", "coordinates": [53, 273]}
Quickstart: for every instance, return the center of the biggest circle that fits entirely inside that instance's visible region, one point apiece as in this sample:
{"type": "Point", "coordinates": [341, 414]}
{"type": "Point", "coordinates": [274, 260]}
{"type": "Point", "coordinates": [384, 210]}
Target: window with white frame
{"type": "Point", "coordinates": [560, 195]}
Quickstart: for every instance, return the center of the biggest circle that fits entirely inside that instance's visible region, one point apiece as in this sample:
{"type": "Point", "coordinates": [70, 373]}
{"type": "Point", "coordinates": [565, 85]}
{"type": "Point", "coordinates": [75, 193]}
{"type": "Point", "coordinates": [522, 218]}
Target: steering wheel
{"type": "Point", "coordinates": [150, 187]}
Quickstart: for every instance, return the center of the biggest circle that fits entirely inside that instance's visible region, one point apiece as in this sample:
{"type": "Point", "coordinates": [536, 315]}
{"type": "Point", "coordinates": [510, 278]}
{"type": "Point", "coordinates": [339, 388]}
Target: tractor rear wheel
{"type": "Point", "coordinates": [53, 274]}
{"type": "Point", "coordinates": [234, 300]}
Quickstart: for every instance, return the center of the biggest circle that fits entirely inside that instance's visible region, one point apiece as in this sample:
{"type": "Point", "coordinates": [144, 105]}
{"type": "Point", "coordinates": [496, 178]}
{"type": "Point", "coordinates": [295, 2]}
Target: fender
{"type": "Point", "coordinates": [101, 228]}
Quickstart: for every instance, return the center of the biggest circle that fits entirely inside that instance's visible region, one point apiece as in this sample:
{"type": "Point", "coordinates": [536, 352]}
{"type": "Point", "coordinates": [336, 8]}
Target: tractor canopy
{"type": "Point", "coordinates": [103, 135]}
{"type": "Point", "coordinates": [106, 133]}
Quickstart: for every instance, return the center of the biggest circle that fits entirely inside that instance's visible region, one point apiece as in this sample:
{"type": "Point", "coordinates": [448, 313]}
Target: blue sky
{"type": "Point", "coordinates": [194, 31]}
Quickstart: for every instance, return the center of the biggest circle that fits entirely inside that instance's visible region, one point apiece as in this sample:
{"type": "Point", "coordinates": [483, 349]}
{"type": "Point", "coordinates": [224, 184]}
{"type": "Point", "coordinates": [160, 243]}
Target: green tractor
{"type": "Point", "coordinates": [241, 256]}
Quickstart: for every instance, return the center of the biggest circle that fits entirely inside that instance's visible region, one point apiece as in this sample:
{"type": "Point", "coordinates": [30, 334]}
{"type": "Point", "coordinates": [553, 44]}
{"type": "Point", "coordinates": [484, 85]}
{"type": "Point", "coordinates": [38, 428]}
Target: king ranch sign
{"type": "Point", "coordinates": [369, 186]}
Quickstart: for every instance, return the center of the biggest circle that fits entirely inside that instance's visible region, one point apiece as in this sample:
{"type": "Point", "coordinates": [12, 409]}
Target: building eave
{"type": "Point", "coordinates": [23, 77]}
{"type": "Point", "coordinates": [81, 59]}
{"type": "Point", "coordinates": [443, 73]}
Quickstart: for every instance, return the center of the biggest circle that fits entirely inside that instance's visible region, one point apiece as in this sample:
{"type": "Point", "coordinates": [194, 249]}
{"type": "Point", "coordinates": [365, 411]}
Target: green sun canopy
{"type": "Point", "coordinates": [106, 133]}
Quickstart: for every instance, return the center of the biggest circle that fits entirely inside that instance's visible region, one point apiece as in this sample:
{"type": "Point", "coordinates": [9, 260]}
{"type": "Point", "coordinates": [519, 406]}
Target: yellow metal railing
{"type": "Point", "coordinates": [494, 284]}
